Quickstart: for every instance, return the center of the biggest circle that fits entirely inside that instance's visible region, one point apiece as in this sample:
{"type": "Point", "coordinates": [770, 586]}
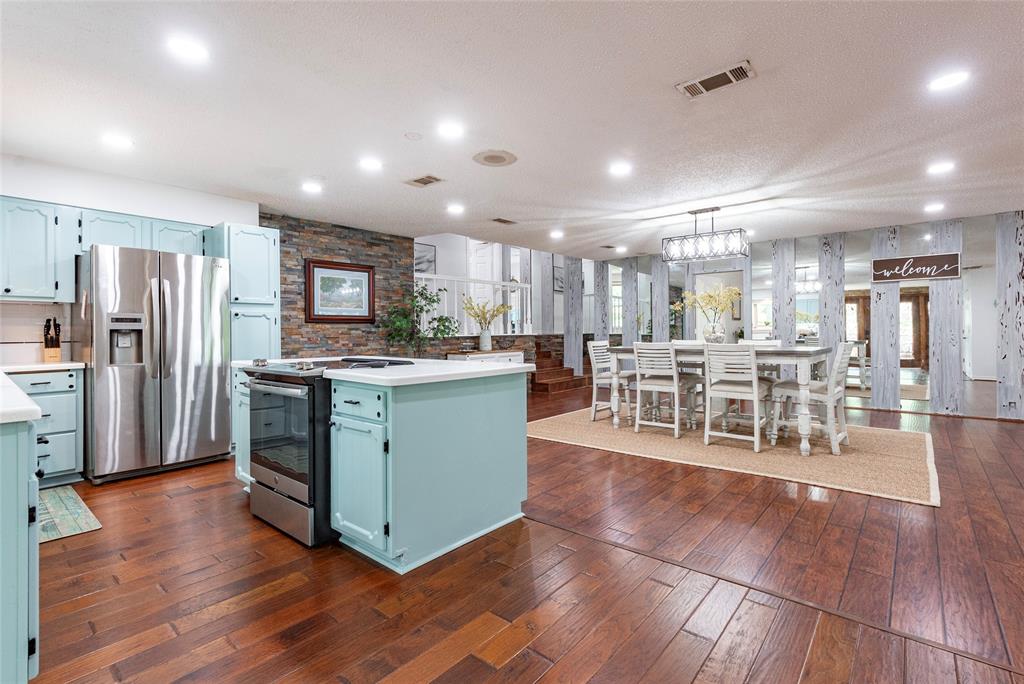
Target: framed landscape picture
{"type": "Point", "coordinates": [338, 293]}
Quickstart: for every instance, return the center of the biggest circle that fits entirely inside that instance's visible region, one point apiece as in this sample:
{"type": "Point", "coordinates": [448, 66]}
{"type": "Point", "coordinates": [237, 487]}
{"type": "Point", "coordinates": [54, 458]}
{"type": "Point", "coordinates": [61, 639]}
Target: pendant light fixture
{"type": "Point", "coordinates": [723, 244]}
{"type": "Point", "coordinates": [805, 286]}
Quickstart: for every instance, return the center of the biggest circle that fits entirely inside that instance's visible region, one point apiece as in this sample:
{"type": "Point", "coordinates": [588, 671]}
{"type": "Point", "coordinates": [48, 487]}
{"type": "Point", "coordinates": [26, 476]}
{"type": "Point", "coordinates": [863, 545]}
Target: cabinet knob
{"type": "Point", "coordinates": [7, 290]}
{"type": "Point", "coordinates": [236, 299]}
{"type": "Point", "coordinates": [40, 474]}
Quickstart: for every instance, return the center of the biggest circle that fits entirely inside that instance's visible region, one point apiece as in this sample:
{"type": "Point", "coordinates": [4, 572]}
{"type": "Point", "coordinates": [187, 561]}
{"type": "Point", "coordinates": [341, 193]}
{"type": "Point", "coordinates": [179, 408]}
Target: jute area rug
{"type": "Point", "coordinates": [893, 464]}
{"type": "Point", "coordinates": [915, 392]}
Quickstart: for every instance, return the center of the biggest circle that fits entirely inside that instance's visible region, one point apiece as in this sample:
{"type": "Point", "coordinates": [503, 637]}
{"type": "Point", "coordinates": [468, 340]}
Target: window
{"type": "Point", "coordinates": [906, 330]}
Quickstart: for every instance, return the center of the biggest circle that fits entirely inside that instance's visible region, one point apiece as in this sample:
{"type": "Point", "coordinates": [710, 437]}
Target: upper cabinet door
{"type": "Point", "coordinates": [122, 230]}
{"type": "Point", "coordinates": [183, 238]}
{"type": "Point", "coordinates": [28, 250]}
{"type": "Point", "coordinates": [255, 264]}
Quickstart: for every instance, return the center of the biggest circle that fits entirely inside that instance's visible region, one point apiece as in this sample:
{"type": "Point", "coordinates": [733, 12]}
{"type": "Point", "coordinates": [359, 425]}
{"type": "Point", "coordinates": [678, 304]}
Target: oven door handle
{"type": "Point", "coordinates": [256, 386]}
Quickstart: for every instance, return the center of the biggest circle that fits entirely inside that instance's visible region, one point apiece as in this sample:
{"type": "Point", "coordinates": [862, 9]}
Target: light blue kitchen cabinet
{"type": "Point", "coordinates": [255, 333]}
{"type": "Point", "coordinates": [28, 250]}
{"type": "Point", "coordinates": [255, 256]}
{"type": "Point", "coordinates": [106, 228]}
{"type": "Point", "coordinates": [359, 481]}
{"type": "Point", "coordinates": [19, 555]}
{"type": "Point", "coordinates": [181, 238]}
{"type": "Point", "coordinates": [60, 437]}
{"type": "Point", "coordinates": [443, 464]}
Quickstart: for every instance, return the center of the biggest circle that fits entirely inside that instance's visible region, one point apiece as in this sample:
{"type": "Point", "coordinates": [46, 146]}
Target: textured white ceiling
{"type": "Point", "coordinates": [833, 134]}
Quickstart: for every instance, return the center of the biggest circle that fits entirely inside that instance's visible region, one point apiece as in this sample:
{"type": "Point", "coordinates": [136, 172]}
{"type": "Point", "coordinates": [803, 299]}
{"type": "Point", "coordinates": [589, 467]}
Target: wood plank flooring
{"type": "Point", "coordinates": [648, 571]}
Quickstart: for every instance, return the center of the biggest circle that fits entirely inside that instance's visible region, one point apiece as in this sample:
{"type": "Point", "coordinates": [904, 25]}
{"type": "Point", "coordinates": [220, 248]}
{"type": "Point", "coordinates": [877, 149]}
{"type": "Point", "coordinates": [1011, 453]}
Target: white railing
{"type": "Point", "coordinates": [518, 321]}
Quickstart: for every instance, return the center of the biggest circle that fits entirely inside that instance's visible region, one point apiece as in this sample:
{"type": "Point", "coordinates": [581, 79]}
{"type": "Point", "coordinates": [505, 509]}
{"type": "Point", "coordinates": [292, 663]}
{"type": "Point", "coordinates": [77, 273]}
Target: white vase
{"type": "Point", "coordinates": [714, 333]}
{"type": "Point", "coordinates": [485, 340]}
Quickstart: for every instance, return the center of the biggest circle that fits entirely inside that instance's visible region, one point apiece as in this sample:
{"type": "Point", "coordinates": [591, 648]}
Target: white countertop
{"type": "Point", "coordinates": [41, 367]}
{"type": "Point", "coordinates": [15, 406]}
{"type": "Point", "coordinates": [421, 372]}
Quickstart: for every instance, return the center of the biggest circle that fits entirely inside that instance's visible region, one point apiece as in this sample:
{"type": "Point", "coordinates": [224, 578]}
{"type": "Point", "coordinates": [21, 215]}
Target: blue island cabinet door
{"type": "Point", "coordinates": [359, 481]}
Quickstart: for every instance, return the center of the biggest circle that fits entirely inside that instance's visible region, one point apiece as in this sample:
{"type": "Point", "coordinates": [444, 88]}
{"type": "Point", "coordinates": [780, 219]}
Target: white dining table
{"type": "Point", "coordinates": [804, 357]}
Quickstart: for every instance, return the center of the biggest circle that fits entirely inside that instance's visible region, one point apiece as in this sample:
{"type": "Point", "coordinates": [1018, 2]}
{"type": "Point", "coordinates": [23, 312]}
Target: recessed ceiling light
{"type": "Point", "coordinates": [927, 237]}
{"type": "Point", "coordinates": [117, 141]}
{"type": "Point", "coordinates": [187, 50]}
{"type": "Point", "coordinates": [313, 187]}
{"type": "Point", "coordinates": [620, 249]}
{"type": "Point", "coordinates": [456, 209]}
{"type": "Point", "coordinates": [370, 164]}
{"type": "Point", "coordinates": [451, 130]}
{"type": "Point", "coordinates": [620, 169]}
{"type": "Point", "coordinates": [934, 207]}
{"type": "Point", "coordinates": [557, 234]}
{"type": "Point", "coordinates": [947, 81]}
{"type": "Point", "coordinates": [939, 168]}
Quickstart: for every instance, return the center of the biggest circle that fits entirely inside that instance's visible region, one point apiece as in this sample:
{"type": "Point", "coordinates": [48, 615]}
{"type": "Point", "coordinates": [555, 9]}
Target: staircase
{"type": "Point", "coordinates": [551, 377]}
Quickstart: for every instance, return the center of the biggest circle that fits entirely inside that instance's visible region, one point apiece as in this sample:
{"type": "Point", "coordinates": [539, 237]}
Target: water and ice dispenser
{"type": "Point", "coordinates": [125, 339]}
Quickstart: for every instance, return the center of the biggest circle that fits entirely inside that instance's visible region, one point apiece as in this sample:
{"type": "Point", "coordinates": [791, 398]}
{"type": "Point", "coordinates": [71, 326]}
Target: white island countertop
{"type": "Point", "coordinates": [15, 406]}
{"type": "Point", "coordinates": [420, 372]}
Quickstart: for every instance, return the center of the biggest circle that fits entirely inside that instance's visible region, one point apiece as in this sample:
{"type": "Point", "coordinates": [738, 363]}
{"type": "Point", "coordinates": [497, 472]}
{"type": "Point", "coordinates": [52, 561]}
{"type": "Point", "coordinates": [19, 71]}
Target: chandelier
{"type": "Point", "coordinates": [723, 244]}
{"type": "Point", "coordinates": [805, 286]}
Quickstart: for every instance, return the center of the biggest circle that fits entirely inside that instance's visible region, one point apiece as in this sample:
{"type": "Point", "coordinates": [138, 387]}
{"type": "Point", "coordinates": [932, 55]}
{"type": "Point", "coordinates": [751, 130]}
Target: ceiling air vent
{"type": "Point", "coordinates": [423, 181]}
{"type": "Point", "coordinates": [702, 86]}
{"type": "Point", "coordinates": [504, 221]}
{"type": "Point", "coordinates": [495, 158]}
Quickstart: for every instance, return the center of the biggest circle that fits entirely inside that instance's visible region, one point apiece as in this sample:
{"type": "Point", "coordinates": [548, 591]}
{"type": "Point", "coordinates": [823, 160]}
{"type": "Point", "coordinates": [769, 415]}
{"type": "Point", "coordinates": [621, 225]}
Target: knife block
{"type": "Point", "coordinates": [51, 354]}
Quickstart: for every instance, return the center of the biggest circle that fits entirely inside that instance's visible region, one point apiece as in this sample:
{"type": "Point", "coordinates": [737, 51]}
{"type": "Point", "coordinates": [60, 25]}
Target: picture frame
{"type": "Point", "coordinates": [424, 258]}
{"type": "Point", "coordinates": [558, 278]}
{"type": "Point", "coordinates": [737, 310]}
{"type": "Point", "coordinates": [338, 292]}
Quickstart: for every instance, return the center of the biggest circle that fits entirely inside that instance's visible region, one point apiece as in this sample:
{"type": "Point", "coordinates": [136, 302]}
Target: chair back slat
{"type": "Point", "coordinates": [655, 358]}
{"type": "Point", "coordinates": [730, 362]}
{"type": "Point", "coordinates": [841, 366]}
{"type": "Point", "coordinates": [600, 357]}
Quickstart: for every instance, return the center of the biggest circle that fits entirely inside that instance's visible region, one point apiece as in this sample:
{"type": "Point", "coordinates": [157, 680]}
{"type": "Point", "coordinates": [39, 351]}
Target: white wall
{"type": "Point", "coordinates": [451, 253]}
{"type": "Point", "coordinates": [980, 291]}
{"type": "Point", "coordinates": [30, 179]}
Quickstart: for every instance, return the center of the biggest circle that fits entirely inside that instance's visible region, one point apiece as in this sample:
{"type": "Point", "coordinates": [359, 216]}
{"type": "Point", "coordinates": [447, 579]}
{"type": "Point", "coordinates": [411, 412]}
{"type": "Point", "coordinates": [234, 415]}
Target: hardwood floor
{"type": "Point", "coordinates": [629, 570]}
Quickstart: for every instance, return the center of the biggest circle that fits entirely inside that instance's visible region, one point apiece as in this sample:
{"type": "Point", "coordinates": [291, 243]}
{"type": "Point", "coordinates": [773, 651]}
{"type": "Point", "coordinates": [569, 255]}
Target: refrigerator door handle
{"type": "Point", "coordinates": [154, 328]}
{"type": "Point", "coordinates": [164, 312]}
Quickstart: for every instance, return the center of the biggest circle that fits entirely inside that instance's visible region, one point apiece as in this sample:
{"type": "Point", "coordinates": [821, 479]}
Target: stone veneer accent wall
{"type": "Point", "coordinates": [390, 255]}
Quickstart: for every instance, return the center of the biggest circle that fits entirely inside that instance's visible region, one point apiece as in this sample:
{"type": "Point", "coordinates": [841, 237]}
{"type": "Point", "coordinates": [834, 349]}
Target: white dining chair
{"type": "Point", "coordinates": [731, 374]}
{"type": "Point", "coordinates": [658, 373]}
{"type": "Point", "coordinates": [601, 366]}
{"type": "Point", "coordinates": [829, 393]}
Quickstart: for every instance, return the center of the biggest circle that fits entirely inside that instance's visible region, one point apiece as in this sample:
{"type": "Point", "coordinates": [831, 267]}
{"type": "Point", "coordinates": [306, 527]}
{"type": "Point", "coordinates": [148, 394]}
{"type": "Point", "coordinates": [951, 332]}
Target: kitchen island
{"type": "Point", "coordinates": [425, 457]}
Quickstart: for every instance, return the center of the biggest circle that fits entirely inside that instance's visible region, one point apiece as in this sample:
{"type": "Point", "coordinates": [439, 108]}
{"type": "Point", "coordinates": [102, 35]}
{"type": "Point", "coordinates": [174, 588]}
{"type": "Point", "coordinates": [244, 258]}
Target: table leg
{"type": "Point", "coordinates": [614, 400]}
{"type": "Point", "coordinates": [803, 412]}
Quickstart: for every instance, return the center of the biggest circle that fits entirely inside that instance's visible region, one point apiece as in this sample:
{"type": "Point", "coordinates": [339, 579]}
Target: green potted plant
{"type": "Point", "coordinates": [401, 324]}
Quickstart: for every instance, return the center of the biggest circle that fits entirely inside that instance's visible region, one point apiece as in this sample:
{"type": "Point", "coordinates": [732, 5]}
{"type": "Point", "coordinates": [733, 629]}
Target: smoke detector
{"type": "Point", "coordinates": [702, 86]}
{"type": "Point", "coordinates": [423, 181]}
{"type": "Point", "coordinates": [495, 158]}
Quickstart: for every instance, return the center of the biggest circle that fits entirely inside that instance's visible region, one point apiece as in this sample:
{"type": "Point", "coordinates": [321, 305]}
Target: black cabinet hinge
{"type": "Point", "coordinates": [387, 446]}
{"type": "Point", "coordinates": [31, 647]}
{"type": "Point", "coordinates": [79, 237]}
{"type": "Point", "coordinates": [31, 515]}
{"type": "Point", "coordinates": [56, 284]}
{"type": "Point", "coordinates": [387, 529]}
{"type": "Point", "coordinates": [55, 221]}
{"type": "Point", "coordinates": [79, 225]}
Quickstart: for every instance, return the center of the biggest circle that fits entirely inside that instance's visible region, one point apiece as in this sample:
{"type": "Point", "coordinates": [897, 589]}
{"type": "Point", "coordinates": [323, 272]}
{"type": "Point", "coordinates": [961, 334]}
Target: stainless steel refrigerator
{"type": "Point", "coordinates": [152, 328]}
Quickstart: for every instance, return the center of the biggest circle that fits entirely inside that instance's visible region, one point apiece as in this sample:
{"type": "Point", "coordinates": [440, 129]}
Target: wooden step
{"type": "Point", "coordinates": [552, 373]}
{"type": "Point", "coordinates": [548, 363]}
{"type": "Point", "coordinates": [560, 384]}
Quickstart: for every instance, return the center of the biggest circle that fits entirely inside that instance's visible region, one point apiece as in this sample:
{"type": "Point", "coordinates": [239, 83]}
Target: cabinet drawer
{"type": "Point", "coordinates": [40, 383]}
{"type": "Point", "coordinates": [360, 402]}
{"type": "Point", "coordinates": [60, 412]}
{"type": "Point", "coordinates": [57, 453]}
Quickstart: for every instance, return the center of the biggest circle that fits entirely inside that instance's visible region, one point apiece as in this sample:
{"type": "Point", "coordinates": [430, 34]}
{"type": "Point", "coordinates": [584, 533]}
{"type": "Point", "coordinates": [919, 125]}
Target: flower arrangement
{"type": "Point", "coordinates": [484, 313]}
{"type": "Point", "coordinates": [712, 303]}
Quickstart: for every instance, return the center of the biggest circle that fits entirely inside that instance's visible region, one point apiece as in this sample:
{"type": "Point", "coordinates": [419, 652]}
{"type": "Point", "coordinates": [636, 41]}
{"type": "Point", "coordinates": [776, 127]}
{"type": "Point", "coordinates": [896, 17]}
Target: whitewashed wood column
{"type": "Point", "coordinates": [832, 298]}
{"type": "Point", "coordinates": [946, 325]}
{"type": "Point", "coordinates": [572, 315]}
{"type": "Point", "coordinates": [659, 300]}
{"type": "Point", "coordinates": [547, 292]}
{"type": "Point", "coordinates": [506, 276]}
{"type": "Point", "coordinates": [630, 302]}
{"type": "Point", "coordinates": [1010, 312]}
{"type": "Point", "coordinates": [784, 296]}
{"type": "Point", "coordinates": [525, 277]}
{"type": "Point", "coordinates": [885, 325]}
{"type": "Point", "coordinates": [602, 300]}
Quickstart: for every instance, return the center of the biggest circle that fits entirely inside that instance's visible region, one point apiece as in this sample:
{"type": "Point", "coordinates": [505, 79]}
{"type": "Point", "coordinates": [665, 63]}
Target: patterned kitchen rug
{"type": "Point", "coordinates": [62, 513]}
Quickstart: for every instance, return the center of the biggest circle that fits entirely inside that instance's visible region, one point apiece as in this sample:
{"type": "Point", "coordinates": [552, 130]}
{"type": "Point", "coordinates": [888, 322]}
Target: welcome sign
{"type": "Point", "coordinates": [924, 267]}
